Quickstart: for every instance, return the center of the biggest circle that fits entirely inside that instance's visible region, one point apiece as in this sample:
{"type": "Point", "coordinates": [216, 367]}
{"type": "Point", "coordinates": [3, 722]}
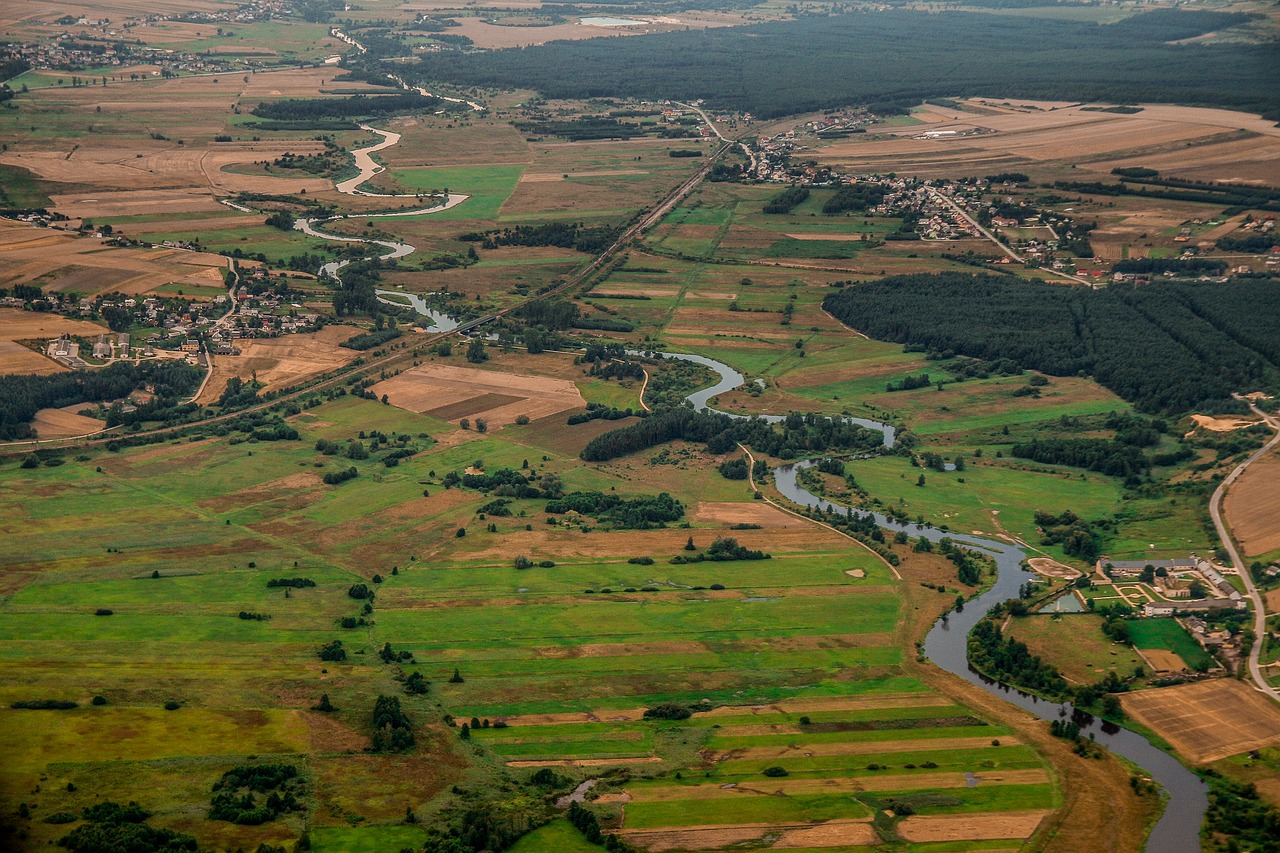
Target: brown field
{"type": "Point", "coordinates": [1252, 507]}
{"type": "Point", "coordinates": [1162, 660]}
{"type": "Point", "coordinates": [747, 512]}
{"type": "Point", "coordinates": [971, 827]}
{"type": "Point", "coordinates": [833, 833]}
{"type": "Point", "coordinates": [280, 362]}
{"type": "Point", "coordinates": [1204, 144]}
{"type": "Point", "coordinates": [57, 423]}
{"type": "Point", "coordinates": [16, 325]}
{"type": "Point", "coordinates": [452, 393]}
{"type": "Point", "coordinates": [1207, 720]}
{"type": "Point", "coordinates": [15, 359]}
{"type": "Point", "coordinates": [95, 205]}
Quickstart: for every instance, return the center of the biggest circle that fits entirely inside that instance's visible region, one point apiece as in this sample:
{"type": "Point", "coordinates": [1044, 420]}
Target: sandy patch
{"type": "Point", "coordinates": [1208, 720]}
{"type": "Point", "coordinates": [1222, 424]}
{"type": "Point", "coordinates": [1052, 568]}
{"type": "Point", "coordinates": [970, 827]}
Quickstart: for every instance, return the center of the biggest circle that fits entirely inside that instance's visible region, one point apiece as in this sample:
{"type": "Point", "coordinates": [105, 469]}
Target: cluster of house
{"type": "Point", "coordinates": [66, 351]}
{"type": "Point", "coordinates": [1171, 581]}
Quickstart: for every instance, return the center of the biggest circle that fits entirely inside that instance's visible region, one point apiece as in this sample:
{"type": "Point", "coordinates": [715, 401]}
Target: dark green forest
{"type": "Point", "coordinates": [789, 67]}
{"type": "Point", "coordinates": [1166, 347]}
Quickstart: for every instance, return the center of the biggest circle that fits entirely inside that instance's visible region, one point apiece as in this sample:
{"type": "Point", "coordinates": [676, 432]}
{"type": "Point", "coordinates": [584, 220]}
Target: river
{"type": "Point", "coordinates": [1178, 830]}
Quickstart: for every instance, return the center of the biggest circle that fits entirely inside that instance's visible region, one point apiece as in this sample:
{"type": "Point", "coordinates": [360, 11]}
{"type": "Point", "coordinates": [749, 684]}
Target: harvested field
{"type": "Point", "coordinates": [835, 833]}
{"type": "Point", "coordinates": [747, 512]}
{"type": "Point", "coordinates": [15, 359]}
{"type": "Point", "coordinates": [1162, 660]}
{"type": "Point", "coordinates": [1208, 720]}
{"type": "Point", "coordinates": [279, 362]}
{"type": "Point", "coordinates": [96, 205]}
{"type": "Point", "coordinates": [1203, 144]}
{"type": "Point", "coordinates": [18, 325]}
{"type": "Point", "coordinates": [58, 423]}
{"type": "Point", "coordinates": [1252, 507]}
{"type": "Point", "coordinates": [971, 827]}
{"type": "Point", "coordinates": [452, 393]}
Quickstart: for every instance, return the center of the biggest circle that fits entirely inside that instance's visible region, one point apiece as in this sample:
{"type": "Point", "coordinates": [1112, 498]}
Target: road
{"type": "Point", "coordinates": [947, 200]}
{"type": "Point", "coordinates": [1259, 607]}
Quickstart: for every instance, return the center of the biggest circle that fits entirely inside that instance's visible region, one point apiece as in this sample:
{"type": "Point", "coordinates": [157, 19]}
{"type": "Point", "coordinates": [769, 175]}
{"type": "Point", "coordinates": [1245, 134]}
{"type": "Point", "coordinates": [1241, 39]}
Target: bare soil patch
{"type": "Point", "coordinates": [835, 833]}
{"type": "Point", "coordinates": [1208, 720]}
{"type": "Point", "coordinates": [1222, 424]}
{"type": "Point", "coordinates": [1052, 568]}
{"type": "Point", "coordinates": [1252, 507]}
{"type": "Point", "coordinates": [970, 827]}
{"type": "Point", "coordinates": [499, 397]}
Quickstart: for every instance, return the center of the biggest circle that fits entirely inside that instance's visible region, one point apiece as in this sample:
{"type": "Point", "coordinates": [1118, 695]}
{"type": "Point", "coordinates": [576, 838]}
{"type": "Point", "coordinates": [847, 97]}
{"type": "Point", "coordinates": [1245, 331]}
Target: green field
{"type": "Point", "coordinates": [488, 187]}
{"type": "Point", "coordinates": [1170, 635]}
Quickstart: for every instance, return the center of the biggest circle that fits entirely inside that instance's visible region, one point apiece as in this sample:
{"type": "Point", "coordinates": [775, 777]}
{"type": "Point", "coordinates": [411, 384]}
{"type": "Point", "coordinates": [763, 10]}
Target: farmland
{"type": "Point", "coordinates": [390, 571]}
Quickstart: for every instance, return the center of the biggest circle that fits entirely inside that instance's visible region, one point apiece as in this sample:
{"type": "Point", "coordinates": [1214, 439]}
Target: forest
{"type": "Point", "coordinates": [820, 62]}
{"type": "Point", "coordinates": [22, 396]}
{"type": "Point", "coordinates": [1169, 347]}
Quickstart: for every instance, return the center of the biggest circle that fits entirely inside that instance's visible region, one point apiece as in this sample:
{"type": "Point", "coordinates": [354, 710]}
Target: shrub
{"type": "Point", "coordinates": [667, 711]}
{"type": "Point", "coordinates": [775, 771]}
{"type": "Point", "coordinates": [103, 611]}
{"type": "Point", "coordinates": [44, 704]}
{"type": "Point", "coordinates": [172, 705]}
{"type": "Point", "coordinates": [99, 700]}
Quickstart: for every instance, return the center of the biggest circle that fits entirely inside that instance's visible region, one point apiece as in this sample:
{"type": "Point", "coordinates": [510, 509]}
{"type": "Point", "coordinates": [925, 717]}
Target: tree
{"type": "Point", "coordinates": [476, 353]}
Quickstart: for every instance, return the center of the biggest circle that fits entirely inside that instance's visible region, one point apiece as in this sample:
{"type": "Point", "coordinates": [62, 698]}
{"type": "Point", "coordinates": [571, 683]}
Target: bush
{"type": "Point", "coordinates": [667, 711]}
{"type": "Point", "coordinates": [99, 700]}
{"type": "Point", "coordinates": [172, 705]}
{"type": "Point", "coordinates": [62, 817]}
{"type": "Point", "coordinates": [44, 704]}
{"type": "Point", "coordinates": [775, 771]}
{"type": "Point", "coordinates": [103, 611]}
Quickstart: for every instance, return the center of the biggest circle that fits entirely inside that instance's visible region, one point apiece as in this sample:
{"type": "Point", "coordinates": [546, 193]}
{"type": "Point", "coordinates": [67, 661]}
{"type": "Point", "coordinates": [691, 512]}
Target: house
{"type": "Point", "coordinates": [1157, 608]}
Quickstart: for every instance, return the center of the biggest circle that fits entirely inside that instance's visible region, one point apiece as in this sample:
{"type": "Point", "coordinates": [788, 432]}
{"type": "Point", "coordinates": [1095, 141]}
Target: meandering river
{"type": "Point", "coordinates": [1178, 829]}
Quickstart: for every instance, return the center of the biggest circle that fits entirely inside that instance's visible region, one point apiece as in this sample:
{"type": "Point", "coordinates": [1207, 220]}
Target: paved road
{"type": "Point", "coordinates": [1259, 607]}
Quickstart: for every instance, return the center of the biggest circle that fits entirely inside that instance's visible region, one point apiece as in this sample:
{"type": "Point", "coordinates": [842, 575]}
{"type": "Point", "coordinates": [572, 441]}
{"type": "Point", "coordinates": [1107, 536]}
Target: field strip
{"type": "Point", "coordinates": [971, 827]}
{"type": "Point", "coordinates": [857, 748]}
{"type": "Point", "coordinates": [584, 762]}
{"type": "Point", "coordinates": [794, 787]}
{"type": "Point", "coordinates": [832, 833]}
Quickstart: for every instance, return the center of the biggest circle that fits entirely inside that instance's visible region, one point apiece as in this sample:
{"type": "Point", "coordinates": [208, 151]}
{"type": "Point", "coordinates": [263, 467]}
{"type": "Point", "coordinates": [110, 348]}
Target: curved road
{"type": "Point", "coordinates": [1259, 606]}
